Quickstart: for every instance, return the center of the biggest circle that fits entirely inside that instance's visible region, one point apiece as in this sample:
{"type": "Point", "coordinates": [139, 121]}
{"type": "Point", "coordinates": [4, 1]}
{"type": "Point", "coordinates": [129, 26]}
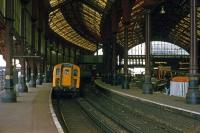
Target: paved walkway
{"type": "Point", "coordinates": [30, 114]}
{"type": "Point", "coordinates": [157, 98]}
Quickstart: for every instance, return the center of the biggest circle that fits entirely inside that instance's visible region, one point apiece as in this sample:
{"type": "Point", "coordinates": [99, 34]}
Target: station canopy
{"type": "Point", "coordinates": [170, 22]}
{"type": "Point", "coordinates": [77, 21]}
{"type": "Point", "coordinates": [80, 22]}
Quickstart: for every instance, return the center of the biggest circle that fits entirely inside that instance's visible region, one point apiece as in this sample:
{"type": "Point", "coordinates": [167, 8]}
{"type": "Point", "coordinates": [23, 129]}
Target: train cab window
{"type": "Point", "coordinates": [66, 71]}
{"type": "Point", "coordinates": [75, 73]}
{"type": "Point", "coordinates": [58, 71]}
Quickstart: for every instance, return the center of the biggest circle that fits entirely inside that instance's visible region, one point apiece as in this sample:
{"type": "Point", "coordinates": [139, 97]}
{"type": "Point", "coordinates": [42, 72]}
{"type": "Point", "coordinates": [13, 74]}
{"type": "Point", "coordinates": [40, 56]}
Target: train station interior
{"type": "Point", "coordinates": [139, 66]}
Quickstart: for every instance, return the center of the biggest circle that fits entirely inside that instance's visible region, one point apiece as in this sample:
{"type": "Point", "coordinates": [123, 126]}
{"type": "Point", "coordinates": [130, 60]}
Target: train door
{"type": "Point", "coordinates": [75, 73]}
{"type": "Point", "coordinates": [76, 77]}
{"type": "Point", "coordinates": [66, 76]}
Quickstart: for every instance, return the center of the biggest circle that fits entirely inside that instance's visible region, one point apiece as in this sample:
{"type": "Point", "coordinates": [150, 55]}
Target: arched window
{"type": "Point", "coordinates": [100, 52]}
{"type": "Point", "coordinates": [2, 61]}
{"type": "Point", "coordinates": [158, 48]}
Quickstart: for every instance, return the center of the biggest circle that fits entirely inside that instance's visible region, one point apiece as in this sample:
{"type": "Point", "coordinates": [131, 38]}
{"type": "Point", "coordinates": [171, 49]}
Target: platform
{"type": "Point", "coordinates": [30, 114]}
{"type": "Point", "coordinates": [177, 103]}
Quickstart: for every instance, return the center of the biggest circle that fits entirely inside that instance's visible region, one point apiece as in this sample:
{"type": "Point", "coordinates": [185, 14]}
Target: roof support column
{"type": "Point", "coordinates": [69, 54]}
{"type": "Point", "coordinates": [114, 58]}
{"type": "Point", "coordinates": [45, 61]}
{"type": "Point", "coordinates": [193, 94]}
{"type": "Point", "coordinates": [126, 82]}
{"type": "Point", "coordinates": [127, 9]}
{"type": "Point", "coordinates": [32, 82]}
{"type": "Point", "coordinates": [9, 94]}
{"type": "Point", "coordinates": [63, 53]}
{"type": "Point", "coordinates": [147, 86]}
{"type": "Point", "coordinates": [39, 62]}
{"type": "Point", "coordinates": [22, 87]}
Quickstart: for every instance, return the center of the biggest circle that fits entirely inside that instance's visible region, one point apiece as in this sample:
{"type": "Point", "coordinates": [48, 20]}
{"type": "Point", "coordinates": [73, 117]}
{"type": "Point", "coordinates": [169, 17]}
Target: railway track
{"type": "Point", "coordinates": [101, 112]}
{"type": "Point", "coordinates": [77, 115]}
{"type": "Point", "coordinates": [132, 121]}
{"type": "Point", "coordinates": [72, 118]}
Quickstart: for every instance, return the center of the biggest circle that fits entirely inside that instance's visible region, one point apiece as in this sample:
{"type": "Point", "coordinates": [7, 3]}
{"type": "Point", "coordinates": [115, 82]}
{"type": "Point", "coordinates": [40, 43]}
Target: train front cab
{"type": "Point", "coordinates": [66, 79]}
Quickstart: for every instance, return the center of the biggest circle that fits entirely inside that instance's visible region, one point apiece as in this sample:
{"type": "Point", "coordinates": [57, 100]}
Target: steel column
{"type": "Point", "coordinates": [39, 74]}
{"type": "Point", "coordinates": [9, 94]}
{"type": "Point", "coordinates": [125, 84]}
{"type": "Point", "coordinates": [147, 86]}
{"type": "Point", "coordinates": [22, 87]}
{"type": "Point", "coordinates": [114, 80]}
{"type": "Point", "coordinates": [32, 82]}
{"type": "Point", "coordinates": [193, 94]}
{"type": "Point", "coordinates": [45, 80]}
{"type": "Point", "coordinates": [51, 65]}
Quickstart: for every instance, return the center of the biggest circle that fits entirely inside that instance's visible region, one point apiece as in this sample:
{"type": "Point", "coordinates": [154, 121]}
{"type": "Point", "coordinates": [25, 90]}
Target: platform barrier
{"type": "Point", "coordinates": [178, 88]}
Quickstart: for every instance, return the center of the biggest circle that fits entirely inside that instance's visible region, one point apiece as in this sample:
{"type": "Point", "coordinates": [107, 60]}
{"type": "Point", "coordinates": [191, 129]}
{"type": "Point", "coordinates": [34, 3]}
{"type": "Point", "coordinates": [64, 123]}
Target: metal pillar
{"type": "Point", "coordinates": [9, 94]}
{"type": "Point", "coordinates": [104, 62]}
{"type": "Point", "coordinates": [39, 74]}
{"type": "Point", "coordinates": [28, 73]}
{"type": "Point", "coordinates": [108, 59]}
{"type": "Point", "coordinates": [114, 75]}
{"type": "Point", "coordinates": [63, 53]}
{"type": "Point", "coordinates": [51, 66]}
{"type": "Point", "coordinates": [125, 84]}
{"type": "Point", "coordinates": [147, 86]}
{"type": "Point", "coordinates": [32, 82]}
{"type": "Point", "coordinates": [45, 62]}
{"type": "Point", "coordinates": [193, 94]}
{"type": "Point", "coordinates": [69, 55]}
{"type": "Point", "coordinates": [22, 87]}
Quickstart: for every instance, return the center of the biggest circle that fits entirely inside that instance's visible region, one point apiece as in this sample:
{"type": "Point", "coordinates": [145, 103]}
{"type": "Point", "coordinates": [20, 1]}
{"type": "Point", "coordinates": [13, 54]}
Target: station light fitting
{"type": "Point", "coordinates": [162, 11]}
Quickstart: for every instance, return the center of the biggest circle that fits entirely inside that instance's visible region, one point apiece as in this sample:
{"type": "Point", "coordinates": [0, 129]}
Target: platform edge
{"type": "Point", "coordinates": [54, 117]}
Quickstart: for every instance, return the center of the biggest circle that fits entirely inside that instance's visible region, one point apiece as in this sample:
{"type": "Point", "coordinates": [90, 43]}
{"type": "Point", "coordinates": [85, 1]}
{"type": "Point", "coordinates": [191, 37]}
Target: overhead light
{"type": "Point", "coordinates": [14, 38]}
{"type": "Point", "coordinates": [162, 11]}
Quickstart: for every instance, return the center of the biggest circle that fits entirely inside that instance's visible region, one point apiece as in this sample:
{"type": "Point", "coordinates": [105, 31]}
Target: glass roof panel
{"type": "Point", "coordinates": [134, 25]}
{"type": "Point", "coordinates": [92, 19]}
{"type": "Point", "coordinates": [55, 2]}
{"type": "Point", "coordinates": [59, 25]}
{"type": "Point", "coordinates": [101, 3]}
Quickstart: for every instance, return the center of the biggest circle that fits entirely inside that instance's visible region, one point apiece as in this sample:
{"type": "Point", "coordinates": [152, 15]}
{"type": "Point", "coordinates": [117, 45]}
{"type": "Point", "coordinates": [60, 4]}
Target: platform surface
{"type": "Point", "coordinates": [157, 98]}
{"type": "Point", "coordinates": [30, 114]}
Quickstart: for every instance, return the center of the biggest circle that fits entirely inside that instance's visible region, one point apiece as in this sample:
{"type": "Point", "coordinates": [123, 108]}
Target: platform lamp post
{"type": "Point", "coordinates": [147, 86]}
{"type": "Point", "coordinates": [193, 94]}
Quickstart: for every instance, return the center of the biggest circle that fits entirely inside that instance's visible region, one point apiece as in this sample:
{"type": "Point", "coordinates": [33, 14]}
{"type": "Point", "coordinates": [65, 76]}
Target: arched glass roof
{"type": "Point", "coordinates": [58, 24]}
{"type": "Point", "coordinates": [158, 48]}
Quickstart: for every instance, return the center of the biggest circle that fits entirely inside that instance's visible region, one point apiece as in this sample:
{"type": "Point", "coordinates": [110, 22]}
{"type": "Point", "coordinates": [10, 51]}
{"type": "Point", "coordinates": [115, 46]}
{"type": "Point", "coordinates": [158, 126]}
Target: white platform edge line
{"type": "Point", "coordinates": [124, 94]}
{"type": "Point", "coordinates": [54, 117]}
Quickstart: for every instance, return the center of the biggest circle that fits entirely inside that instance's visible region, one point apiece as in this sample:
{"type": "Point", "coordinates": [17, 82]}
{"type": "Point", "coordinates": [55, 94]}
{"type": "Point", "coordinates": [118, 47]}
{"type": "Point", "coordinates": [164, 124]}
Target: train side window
{"type": "Point", "coordinates": [75, 73]}
{"type": "Point", "coordinates": [66, 71]}
{"type": "Point", "coordinates": [57, 71]}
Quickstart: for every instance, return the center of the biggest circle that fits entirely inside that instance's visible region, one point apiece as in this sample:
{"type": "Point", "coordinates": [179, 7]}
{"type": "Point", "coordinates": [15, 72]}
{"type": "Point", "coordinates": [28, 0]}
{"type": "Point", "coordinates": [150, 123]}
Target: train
{"type": "Point", "coordinates": [66, 79]}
